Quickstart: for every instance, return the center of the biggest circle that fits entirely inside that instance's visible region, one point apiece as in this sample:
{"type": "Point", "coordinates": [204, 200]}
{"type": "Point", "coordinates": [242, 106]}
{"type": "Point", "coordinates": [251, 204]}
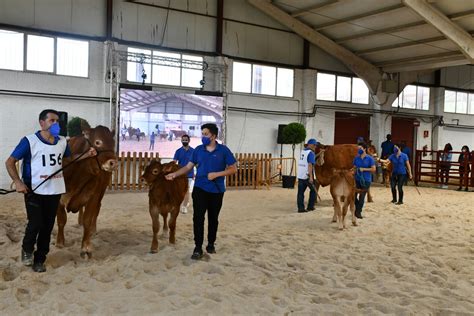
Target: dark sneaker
{"type": "Point", "coordinates": [302, 211]}
{"type": "Point", "coordinates": [310, 209]}
{"type": "Point", "coordinates": [211, 249]}
{"type": "Point", "coordinates": [394, 201]}
{"type": "Point", "coordinates": [459, 189]}
{"type": "Point", "coordinates": [197, 254]}
{"type": "Point", "coordinates": [466, 189]}
{"type": "Point", "coordinates": [358, 215]}
{"type": "Point", "coordinates": [39, 267]}
{"type": "Point", "coordinates": [399, 203]}
{"type": "Point", "coordinates": [26, 258]}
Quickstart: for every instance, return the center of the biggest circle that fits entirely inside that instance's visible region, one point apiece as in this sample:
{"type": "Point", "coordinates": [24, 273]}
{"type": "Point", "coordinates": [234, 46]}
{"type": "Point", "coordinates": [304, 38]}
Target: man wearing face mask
{"type": "Point", "coordinates": [364, 167]}
{"type": "Point", "coordinates": [214, 162]}
{"type": "Point", "coordinates": [401, 166]}
{"type": "Point", "coordinates": [42, 154]}
{"type": "Point", "coordinates": [182, 156]}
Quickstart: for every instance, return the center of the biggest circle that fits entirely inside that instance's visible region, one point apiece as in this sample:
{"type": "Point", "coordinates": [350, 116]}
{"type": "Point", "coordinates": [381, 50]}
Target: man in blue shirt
{"type": "Point", "coordinates": [364, 168]}
{"type": "Point", "coordinates": [214, 162]}
{"type": "Point", "coordinates": [400, 168]}
{"type": "Point", "coordinates": [152, 141]}
{"type": "Point", "coordinates": [183, 156]}
{"type": "Point", "coordinates": [42, 154]}
{"type": "Point", "coordinates": [306, 162]}
{"type": "Point", "coordinates": [387, 147]}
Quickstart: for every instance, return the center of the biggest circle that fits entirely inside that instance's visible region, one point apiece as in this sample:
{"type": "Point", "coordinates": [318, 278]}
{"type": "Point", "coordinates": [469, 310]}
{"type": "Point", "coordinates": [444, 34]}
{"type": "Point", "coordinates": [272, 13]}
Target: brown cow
{"type": "Point", "coordinates": [343, 189]}
{"type": "Point", "coordinates": [164, 197]}
{"type": "Point", "coordinates": [86, 181]}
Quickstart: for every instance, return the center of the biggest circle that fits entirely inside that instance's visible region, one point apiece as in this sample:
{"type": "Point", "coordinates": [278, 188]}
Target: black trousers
{"type": "Point", "coordinates": [205, 201]}
{"type": "Point", "coordinates": [41, 213]}
{"type": "Point", "coordinates": [397, 181]}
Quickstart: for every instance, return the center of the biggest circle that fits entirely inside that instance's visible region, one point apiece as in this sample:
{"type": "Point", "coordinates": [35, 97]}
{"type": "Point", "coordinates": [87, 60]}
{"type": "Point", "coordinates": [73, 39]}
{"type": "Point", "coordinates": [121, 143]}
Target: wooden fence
{"type": "Point", "coordinates": [254, 171]}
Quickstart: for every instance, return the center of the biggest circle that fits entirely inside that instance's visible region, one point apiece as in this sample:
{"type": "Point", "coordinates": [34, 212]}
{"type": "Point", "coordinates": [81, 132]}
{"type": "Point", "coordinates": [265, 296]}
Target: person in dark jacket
{"type": "Point", "coordinates": [464, 159]}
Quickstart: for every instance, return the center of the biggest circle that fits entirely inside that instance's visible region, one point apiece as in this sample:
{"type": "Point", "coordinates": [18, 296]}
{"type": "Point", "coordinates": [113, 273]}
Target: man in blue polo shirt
{"type": "Point", "coordinates": [182, 156]}
{"type": "Point", "coordinates": [364, 167]}
{"type": "Point", "coordinates": [400, 168]}
{"type": "Point", "coordinates": [214, 162]}
{"type": "Point", "coordinates": [306, 162]}
{"type": "Point", "coordinates": [42, 154]}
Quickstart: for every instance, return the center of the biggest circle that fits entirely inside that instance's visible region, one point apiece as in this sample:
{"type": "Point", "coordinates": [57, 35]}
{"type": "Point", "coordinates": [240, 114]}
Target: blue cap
{"type": "Point", "coordinates": [311, 141]}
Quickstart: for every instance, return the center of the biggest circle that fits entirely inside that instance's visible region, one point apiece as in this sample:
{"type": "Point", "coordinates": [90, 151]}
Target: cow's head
{"type": "Point", "coordinates": [102, 139]}
{"type": "Point", "coordinates": [156, 169]}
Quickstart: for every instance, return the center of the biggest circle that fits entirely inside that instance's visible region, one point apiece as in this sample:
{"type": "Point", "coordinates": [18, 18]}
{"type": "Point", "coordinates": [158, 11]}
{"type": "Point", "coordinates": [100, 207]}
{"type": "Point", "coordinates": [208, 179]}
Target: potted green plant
{"type": "Point", "coordinates": [293, 133]}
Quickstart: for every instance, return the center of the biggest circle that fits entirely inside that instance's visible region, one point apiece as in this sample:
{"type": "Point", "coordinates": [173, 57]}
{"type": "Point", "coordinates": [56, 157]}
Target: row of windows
{"type": "Point", "coordinates": [173, 117]}
{"type": "Point", "coordinates": [170, 72]}
{"type": "Point", "coordinates": [341, 88]}
{"type": "Point", "coordinates": [57, 55]}
{"type": "Point", "coordinates": [413, 97]}
{"type": "Point", "coordinates": [259, 79]}
{"type": "Point", "coordinates": [458, 102]}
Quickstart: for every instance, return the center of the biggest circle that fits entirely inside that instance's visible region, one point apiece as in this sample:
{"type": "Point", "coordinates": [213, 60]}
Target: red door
{"type": "Point", "coordinates": [350, 126]}
{"type": "Point", "coordinates": [403, 130]}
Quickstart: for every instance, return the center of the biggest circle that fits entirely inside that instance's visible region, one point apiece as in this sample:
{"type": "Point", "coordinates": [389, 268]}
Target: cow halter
{"type": "Point", "coordinates": [98, 152]}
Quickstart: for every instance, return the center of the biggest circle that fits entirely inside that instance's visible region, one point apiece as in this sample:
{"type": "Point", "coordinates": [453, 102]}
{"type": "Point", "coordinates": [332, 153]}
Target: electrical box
{"type": "Point", "coordinates": [389, 86]}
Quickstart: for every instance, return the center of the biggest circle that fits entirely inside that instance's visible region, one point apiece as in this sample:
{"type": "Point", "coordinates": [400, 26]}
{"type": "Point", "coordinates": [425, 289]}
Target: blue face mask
{"type": "Point", "coordinates": [54, 129]}
{"type": "Point", "coordinates": [205, 140]}
{"type": "Point", "coordinates": [395, 150]}
{"type": "Point", "coordinates": [360, 151]}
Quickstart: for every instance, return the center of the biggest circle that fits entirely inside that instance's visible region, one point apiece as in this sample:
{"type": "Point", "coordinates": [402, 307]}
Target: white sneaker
{"type": "Point", "coordinates": [184, 209]}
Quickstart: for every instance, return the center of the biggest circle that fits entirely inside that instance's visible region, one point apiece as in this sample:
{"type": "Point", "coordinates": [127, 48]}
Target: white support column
{"type": "Point", "coordinates": [443, 24]}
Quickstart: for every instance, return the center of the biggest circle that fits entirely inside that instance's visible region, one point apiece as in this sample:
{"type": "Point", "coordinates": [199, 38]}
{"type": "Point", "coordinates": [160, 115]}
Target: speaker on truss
{"type": "Point", "coordinates": [280, 133]}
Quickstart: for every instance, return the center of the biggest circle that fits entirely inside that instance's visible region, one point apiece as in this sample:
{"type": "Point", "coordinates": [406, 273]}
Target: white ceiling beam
{"type": "Point", "coordinates": [441, 22]}
{"type": "Point", "coordinates": [359, 16]}
{"type": "Point", "coordinates": [418, 58]}
{"type": "Point", "coordinates": [429, 64]}
{"type": "Point", "coordinates": [308, 10]}
{"type": "Point", "coordinates": [362, 68]}
{"type": "Point", "coordinates": [380, 49]}
{"type": "Point", "coordinates": [399, 28]}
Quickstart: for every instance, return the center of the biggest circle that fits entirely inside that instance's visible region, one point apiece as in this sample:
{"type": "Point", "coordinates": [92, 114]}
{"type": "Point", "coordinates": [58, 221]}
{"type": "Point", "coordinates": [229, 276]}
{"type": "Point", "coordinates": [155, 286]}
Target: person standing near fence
{"type": "Point", "coordinates": [214, 162]}
{"type": "Point", "coordinates": [400, 168]}
{"type": "Point", "coordinates": [464, 160]}
{"type": "Point", "coordinates": [183, 156]}
{"type": "Point", "coordinates": [152, 141]}
{"type": "Point", "coordinates": [445, 165]}
{"type": "Point", "coordinates": [306, 162]}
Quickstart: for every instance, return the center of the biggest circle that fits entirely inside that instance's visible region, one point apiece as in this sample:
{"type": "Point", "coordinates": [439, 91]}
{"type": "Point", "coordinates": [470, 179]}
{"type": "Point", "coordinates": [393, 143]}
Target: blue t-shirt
{"type": "Point", "coordinates": [22, 151]}
{"type": "Point", "coordinates": [207, 162]}
{"type": "Point", "coordinates": [183, 156]}
{"type": "Point", "coordinates": [387, 148]}
{"type": "Point", "coordinates": [311, 157]}
{"type": "Point", "coordinates": [407, 151]}
{"type": "Point", "coordinates": [367, 162]}
{"type": "Point", "coordinates": [398, 163]}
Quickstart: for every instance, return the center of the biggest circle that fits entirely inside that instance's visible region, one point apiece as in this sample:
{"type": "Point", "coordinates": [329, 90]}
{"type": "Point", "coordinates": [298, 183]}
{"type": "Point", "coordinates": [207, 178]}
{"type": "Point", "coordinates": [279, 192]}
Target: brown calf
{"type": "Point", "coordinates": [164, 197]}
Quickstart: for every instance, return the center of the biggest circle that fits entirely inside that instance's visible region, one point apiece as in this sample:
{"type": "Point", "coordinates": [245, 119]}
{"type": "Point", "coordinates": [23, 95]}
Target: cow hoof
{"type": "Point", "coordinates": [354, 224]}
{"type": "Point", "coordinates": [86, 255]}
{"type": "Point", "coordinates": [341, 228]}
{"type": "Point", "coordinates": [60, 245]}
{"type": "Point", "coordinates": [153, 251]}
{"type": "Point", "coordinates": [370, 201]}
{"type": "Point", "coordinates": [333, 220]}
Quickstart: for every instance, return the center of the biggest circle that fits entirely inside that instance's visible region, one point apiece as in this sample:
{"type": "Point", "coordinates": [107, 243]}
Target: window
{"type": "Point", "coordinates": [208, 118]}
{"type": "Point", "coordinates": [458, 102]}
{"type": "Point", "coordinates": [360, 92]}
{"type": "Point", "coordinates": [156, 116]}
{"type": "Point", "coordinates": [168, 74]}
{"type": "Point", "coordinates": [11, 50]}
{"type": "Point", "coordinates": [285, 79]}
{"type": "Point", "coordinates": [174, 117]}
{"type": "Point", "coordinates": [413, 97]}
{"type": "Point", "coordinates": [40, 53]}
{"type": "Point", "coordinates": [264, 80]}
{"type": "Point", "coordinates": [136, 70]}
{"type": "Point", "coordinates": [260, 79]}
{"type": "Point", "coordinates": [241, 77]}
{"type": "Point", "coordinates": [343, 89]}
{"type": "Point", "coordinates": [325, 87]}
{"type": "Point", "coordinates": [188, 117]}
{"type": "Point", "coordinates": [72, 57]}
{"type": "Point", "coordinates": [191, 73]}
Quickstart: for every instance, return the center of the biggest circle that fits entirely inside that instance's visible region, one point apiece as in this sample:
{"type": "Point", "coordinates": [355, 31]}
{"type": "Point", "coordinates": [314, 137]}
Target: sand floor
{"type": "Point", "coordinates": [417, 258]}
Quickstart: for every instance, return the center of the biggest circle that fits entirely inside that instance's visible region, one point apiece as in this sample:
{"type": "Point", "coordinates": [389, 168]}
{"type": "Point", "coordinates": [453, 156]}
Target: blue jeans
{"type": "Point", "coordinates": [302, 185]}
{"type": "Point", "coordinates": [397, 181]}
{"type": "Point", "coordinates": [360, 196]}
